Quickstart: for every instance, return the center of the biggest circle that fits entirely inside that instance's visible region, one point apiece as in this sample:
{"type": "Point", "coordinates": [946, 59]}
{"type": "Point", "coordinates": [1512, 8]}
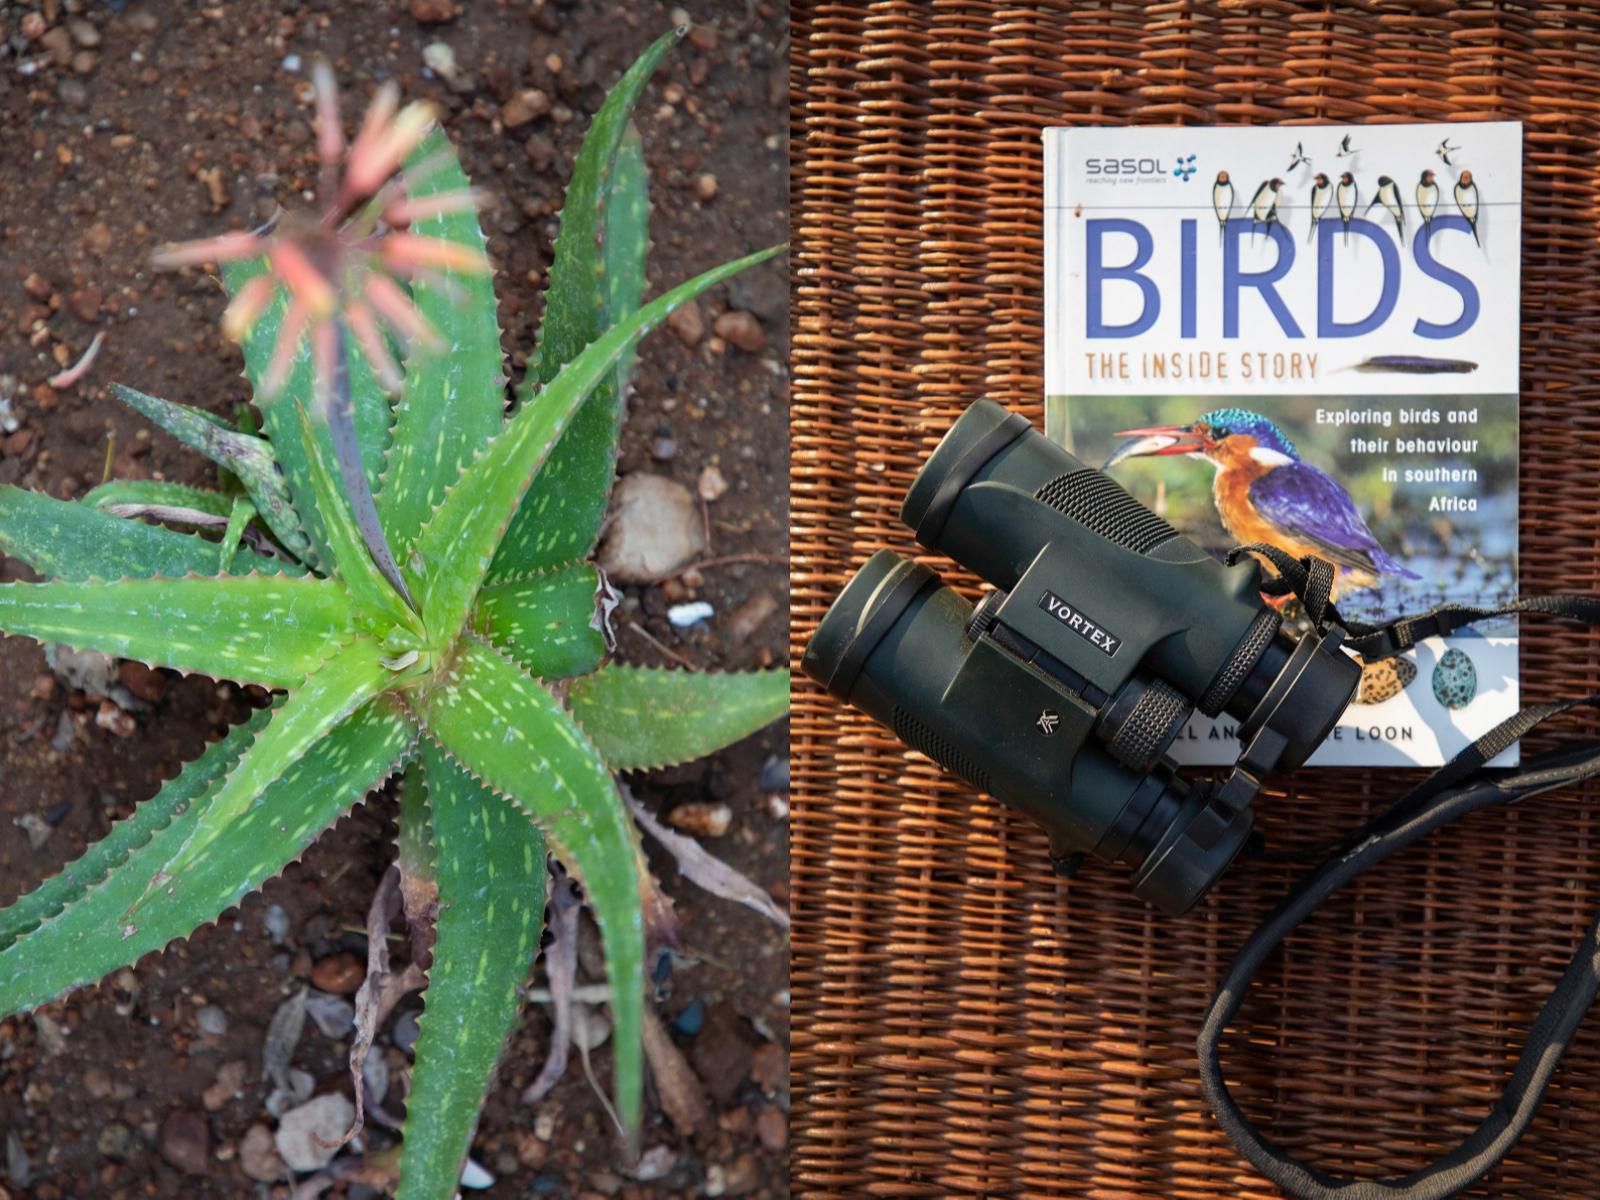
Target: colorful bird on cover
{"type": "Point", "coordinates": [1265, 492]}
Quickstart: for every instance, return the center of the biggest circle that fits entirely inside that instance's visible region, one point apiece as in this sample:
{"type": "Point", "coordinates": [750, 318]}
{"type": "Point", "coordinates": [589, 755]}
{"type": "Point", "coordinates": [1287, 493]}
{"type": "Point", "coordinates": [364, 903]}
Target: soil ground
{"type": "Point", "coordinates": [159, 121]}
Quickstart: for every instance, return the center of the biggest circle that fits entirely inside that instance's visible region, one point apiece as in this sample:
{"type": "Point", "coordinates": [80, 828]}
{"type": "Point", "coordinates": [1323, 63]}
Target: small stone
{"type": "Point", "coordinates": [228, 1086]}
{"type": "Point", "coordinates": [212, 1020]}
{"type": "Point", "coordinates": [475, 1177]}
{"type": "Point", "coordinates": [524, 107]}
{"type": "Point", "coordinates": [84, 303]}
{"type": "Point", "coordinates": [258, 1157]}
{"type": "Point", "coordinates": [340, 974]}
{"type": "Point", "coordinates": [689, 323]}
{"type": "Point", "coordinates": [741, 1176]}
{"type": "Point", "coordinates": [544, 1126]}
{"type": "Point", "coordinates": [774, 775]}
{"type": "Point", "coordinates": [144, 21]}
{"type": "Point", "coordinates": [83, 62]}
{"type": "Point", "coordinates": [145, 682]}
{"type": "Point", "coordinates": [702, 820]}
{"type": "Point", "coordinates": [97, 240]}
{"type": "Point", "coordinates": [769, 1066]}
{"type": "Point", "coordinates": [655, 1163]}
{"type": "Point", "coordinates": [705, 187]}
{"type": "Point", "coordinates": [33, 26]}
{"type": "Point", "coordinates": [772, 1127]}
{"type": "Point", "coordinates": [84, 33]}
{"type": "Point", "coordinates": [57, 43]}
{"type": "Point", "coordinates": [115, 1141]}
{"type": "Point", "coordinates": [405, 1031]}
{"type": "Point", "coordinates": [711, 485]}
{"type": "Point", "coordinates": [663, 448]}
{"type": "Point", "coordinates": [682, 616]}
{"type": "Point", "coordinates": [742, 329]}
{"type": "Point", "coordinates": [333, 1015]}
{"type": "Point", "coordinates": [691, 1019]}
{"type": "Point", "coordinates": [97, 1083]}
{"type": "Point", "coordinates": [37, 829]}
{"type": "Point", "coordinates": [36, 285]}
{"type": "Point", "coordinates": [432, 12]}
{"type": "Point", "coordinates": [750, 616]}
{"type": "Point", "coordinates": [531, 1151]}
{"type": "Point", "coordinates": [655, 529]}
{"type": "Point", "coordinates": [185, 1141]}
{"type": "Point", "coordinates": [703, 38]}
{"type": "Point", "coordinates": [308, 1136]}
{"type": "Point", "coordinates": [109, 716]}
{"type": "Point", "coordinates": [276, 918]}
{"type": "Point", "coordinates": [541, 151]}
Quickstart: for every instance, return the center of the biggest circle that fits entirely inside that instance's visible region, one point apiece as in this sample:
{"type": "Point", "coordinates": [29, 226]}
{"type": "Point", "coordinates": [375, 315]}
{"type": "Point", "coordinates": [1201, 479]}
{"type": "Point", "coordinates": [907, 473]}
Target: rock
{"type": "Point", "coordinates": [774, 775]}
{"type": "Point", "coordinates": [145, 682]}
{"type": "Point", "coordinates": [663, 448]}
{"type": "Point", "coordinates": [115, 1141]}
{"type": "Point", "coordinates": [212, 1020]}
{"type": "Point", "coordinates": [769, 1066]}
{"type": "Point", "coordinates": [703, 38]}
{"type": "Point", "coordinates": [109, 716]}
{"type": "Point", "coordinates": [655, 529]}
{"type": "Point", "coordinates": [524, 107]}
{"type": "Point", "coordinates": [655, 1163]}
{"type": "Point", "coordinates": [682, 616]}
{"type": "Point", "coordinates": [72, 93]}
{"type": "Point", "coordinates": [276, 918]}
{"type": "Point", "coordinates": [742, 329]}
{"type": "Point", "coordinates": [88, 670]}
{"type": "Point", "coordinates": [705, 187]}
{"type": "Point", "coordinates": [37, 829]}
{"type": "Point", "coordinates": [711, 485]}
{"type": "Point", "coordinates": [691, 1019]}
{"type": "Point", "coordinates": [308, 1136]}
{"type": "Point", "coordinates": [37, 286]}
{"type": "Point", "coordinates": [229, 1084]}
{"type": "Point", "coordinates": [702, 820]}
{"type": "Point", "coordinates": [97, 1083]}
{"type": "Point", "coordinates": [475, 1178]}
{"type": "Point", "coordinates": [33, 26]}
{"type": "Point", "coordinates": [720, 1055]}
{"type": "Point", "coordinates": [689, 323]}
{"type": "Point", "coordinates": [341, 974]}
{"type": "Point", "coordinates": [258, 1157]}
{"type": "Point", "coordinates": [772, 1127]}
{"type": "Point", "coordinates": [57, 43]}
{"type": "Point", "coordinates": [83, 62]}
{"type": "Point", "coordinates": [749, 617]}
{"type": "Point", "coordinates": [84, 303]}
{"type": "Point", "coordinates": [405, 1031]}
{"type": "Point", "coordinates": [333, 1015]}
{"type": "Point", "coordinates": [433, 12]}
{"type": "Point", "coordinates": [541, 151]}
{"type": "Point", "coordinates": [185, 1141]}
{"type": "Point", "coordinates": [85, 33]}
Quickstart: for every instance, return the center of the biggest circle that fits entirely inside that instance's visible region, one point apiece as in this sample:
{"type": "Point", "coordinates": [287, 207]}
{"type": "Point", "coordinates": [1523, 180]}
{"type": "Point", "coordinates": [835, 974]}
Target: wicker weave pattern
{"type": "Point", "coordinates": [963, 1022]}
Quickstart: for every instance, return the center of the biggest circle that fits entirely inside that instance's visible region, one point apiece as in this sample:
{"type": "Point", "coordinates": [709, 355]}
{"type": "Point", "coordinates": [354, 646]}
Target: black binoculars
{"type": "Point", "coordinates": [1062, 691]}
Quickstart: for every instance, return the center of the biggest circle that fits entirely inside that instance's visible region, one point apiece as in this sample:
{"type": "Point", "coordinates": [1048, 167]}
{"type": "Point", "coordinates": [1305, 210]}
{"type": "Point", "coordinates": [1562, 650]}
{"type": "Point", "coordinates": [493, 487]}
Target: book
{"type": "Point", "coordinates": [1308, 336]}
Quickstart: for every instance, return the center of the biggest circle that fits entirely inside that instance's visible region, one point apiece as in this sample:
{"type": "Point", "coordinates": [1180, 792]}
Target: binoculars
{"type": "Point", "coordinates": [1061, 692]}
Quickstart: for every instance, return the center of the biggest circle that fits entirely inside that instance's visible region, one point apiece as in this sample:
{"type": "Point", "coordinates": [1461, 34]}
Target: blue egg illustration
{"type": "Point", "coordinates": [1455, 679]}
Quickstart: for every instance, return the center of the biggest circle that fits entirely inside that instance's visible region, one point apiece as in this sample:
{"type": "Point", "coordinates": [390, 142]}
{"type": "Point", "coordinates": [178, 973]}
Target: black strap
{"type": "Point", "coordinates": [1458, 788]}
{"type": "Point", "coordinates": [1311, 579]}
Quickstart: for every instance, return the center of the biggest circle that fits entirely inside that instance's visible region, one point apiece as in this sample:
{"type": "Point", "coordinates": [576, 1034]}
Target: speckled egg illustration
{"type": "Point", "coordinates": [1455, 679]}
{"type": "Point", "coordinates": [1385, 679]}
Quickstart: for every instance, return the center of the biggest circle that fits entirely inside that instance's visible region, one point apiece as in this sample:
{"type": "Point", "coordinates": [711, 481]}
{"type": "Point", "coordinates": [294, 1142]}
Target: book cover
{"type": "Point", "coordinates": [1308, 336]}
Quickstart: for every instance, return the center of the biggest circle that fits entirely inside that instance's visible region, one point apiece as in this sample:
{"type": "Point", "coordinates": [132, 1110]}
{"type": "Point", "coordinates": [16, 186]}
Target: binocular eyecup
{"type": "Point", "coordinates": [1063, 690]}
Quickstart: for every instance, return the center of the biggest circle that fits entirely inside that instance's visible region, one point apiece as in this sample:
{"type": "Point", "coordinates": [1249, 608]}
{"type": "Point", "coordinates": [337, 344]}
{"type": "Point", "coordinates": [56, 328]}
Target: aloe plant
{"type": "Point", "coordinates": [460, 643]}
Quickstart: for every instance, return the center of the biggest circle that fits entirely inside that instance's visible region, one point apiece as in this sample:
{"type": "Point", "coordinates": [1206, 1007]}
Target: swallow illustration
{"type": "Point", "coordinates": [1321, 190]}
{"type": "Point", "coordinates": [1222, 201]}
{"type": "Point", "coordinates": [1264, 204]}
{"type": "Point", "coordinates": [1299, 157]}
{"type": "Point", "coordinates": [1389, 196]}
{"type": "Point", "coordinates": [1444, 150]}
{"type": "Point", "coordinates": [1466, 194]}
{"type": "Point", "coordinates": [1345, 195]}
{"type": "Point", "coordinates": [1346, 150]}
{"type": "Point", "coordinates": [1427, 197]}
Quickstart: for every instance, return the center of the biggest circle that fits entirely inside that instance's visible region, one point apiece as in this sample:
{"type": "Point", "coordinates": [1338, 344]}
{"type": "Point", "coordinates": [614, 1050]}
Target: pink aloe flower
{"type": "Point", "coordinates": [344, 266]}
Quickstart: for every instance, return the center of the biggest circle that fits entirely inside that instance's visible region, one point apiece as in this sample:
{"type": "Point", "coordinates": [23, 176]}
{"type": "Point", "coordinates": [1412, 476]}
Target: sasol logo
{"type": "Point", "coordinates": [1134, 167]}
{"type": "Point", "coordinates": [1185, 167]}
{"type": "Point", "coordinates": [1096, 634]}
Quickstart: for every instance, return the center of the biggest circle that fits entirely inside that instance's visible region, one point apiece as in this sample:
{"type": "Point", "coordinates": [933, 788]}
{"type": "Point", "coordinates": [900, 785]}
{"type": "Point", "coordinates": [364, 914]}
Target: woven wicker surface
{"type": "Point", "coordinates": [963, 1022]}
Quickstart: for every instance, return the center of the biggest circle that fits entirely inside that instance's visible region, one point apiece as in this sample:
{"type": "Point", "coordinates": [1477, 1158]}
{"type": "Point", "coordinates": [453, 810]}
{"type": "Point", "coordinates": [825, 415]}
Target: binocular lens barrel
{"type": "Point", "coordinates": [896, 645]}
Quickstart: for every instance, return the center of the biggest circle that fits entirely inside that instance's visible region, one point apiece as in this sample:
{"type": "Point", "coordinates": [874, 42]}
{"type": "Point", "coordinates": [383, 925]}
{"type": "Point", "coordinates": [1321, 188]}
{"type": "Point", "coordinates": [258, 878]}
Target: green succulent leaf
{"type": "Point", "coordinates": [329, 694]}
{"type": "Point", "coordinates": [127, 836]}
{"type": "Point", "coordinates": [510, 733]}
{"type": "Point", "coordinates": [454, 400]}
{"type": "Point", "coordinates": [351, 561]}
{"type": "Point", "coordinates": [645, 717]}
{"type": "Point", "coordinates": [152, 493]}
{"type": "Point", "coordinates": [459, 541]}
{"type": "Point", "coordinates": [248, 458]}
{"type": "Point", "coordinates": [82, 930]}
{"type": "Point", "coordinates": [372, 411]}
{"type": "Point", "coordinates": [414, 830]}
{"type": "Point", "coordinates": [266, 629]}
{"type": "Point", "coordinates": [73, 542]}
{"type": "Point", "coordinates": [548, 621]}
{"type": "Point", "coordinates": [239, 518]}
{"type": "Point", "coordinates": [491, 870]}
{"type": "Point", "coordinates": [596, 279]}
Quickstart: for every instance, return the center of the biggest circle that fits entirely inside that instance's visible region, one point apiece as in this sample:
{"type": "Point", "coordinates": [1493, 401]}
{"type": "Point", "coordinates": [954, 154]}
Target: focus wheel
{"type": "Point", "coordinates": [983, 617]}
